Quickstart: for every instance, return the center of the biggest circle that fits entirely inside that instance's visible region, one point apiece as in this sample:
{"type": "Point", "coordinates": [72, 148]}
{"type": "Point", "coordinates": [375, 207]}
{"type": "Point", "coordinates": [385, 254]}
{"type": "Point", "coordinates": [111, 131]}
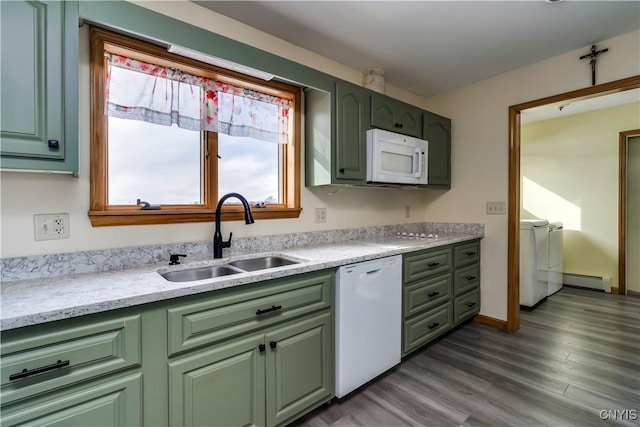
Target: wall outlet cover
{"type": "Point", "coordinates": [51, 226]}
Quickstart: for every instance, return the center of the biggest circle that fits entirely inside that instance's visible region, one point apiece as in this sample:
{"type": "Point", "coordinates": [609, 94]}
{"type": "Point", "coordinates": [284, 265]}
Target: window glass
{"type": "Point", "coordinates": [249, 167]}
{"type": "Point", "coordinates": [155, 163]}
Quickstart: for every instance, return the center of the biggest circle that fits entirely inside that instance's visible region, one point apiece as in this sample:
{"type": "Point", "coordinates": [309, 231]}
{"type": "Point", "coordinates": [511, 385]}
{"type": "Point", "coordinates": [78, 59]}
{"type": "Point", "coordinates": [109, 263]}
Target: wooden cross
{"type": "Point", "coordinates": [593, 56]}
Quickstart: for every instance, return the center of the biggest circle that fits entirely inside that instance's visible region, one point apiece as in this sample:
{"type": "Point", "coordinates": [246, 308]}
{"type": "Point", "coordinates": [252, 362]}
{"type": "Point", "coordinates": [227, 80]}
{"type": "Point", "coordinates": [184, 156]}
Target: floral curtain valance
{"type": "Point", "coordinates": [141, 91]}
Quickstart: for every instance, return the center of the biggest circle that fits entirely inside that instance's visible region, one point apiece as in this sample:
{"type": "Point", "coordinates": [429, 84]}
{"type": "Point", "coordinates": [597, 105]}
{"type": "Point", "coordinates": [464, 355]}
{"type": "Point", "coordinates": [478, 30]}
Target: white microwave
{"type": "Point", "coordinates": [393, 158]}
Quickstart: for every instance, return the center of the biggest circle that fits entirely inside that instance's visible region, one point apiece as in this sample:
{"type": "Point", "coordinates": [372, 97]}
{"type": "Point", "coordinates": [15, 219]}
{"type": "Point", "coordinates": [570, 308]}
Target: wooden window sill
{"type": "Point", "coordinates": [150, 217]}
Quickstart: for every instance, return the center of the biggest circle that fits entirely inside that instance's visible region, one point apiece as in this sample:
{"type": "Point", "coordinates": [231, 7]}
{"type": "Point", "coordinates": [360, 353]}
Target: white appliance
{"type": "Point", "coordinates": [534, 261]}
{"type": "Point", "coordinates": [368, 321]}
{"type": "Point", "coordinates": [396, 159]}
{"type": "Point", "coordinates": [554, 277]}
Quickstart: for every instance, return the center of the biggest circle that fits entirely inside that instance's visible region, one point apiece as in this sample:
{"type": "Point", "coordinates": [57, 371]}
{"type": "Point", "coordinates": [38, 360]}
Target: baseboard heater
{"type": "Point", "coordinates": [589, 282]}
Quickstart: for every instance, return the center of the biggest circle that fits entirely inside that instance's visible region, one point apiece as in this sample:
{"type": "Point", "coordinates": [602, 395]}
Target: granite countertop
{"type": "Point", "coordinates": [34, 301]}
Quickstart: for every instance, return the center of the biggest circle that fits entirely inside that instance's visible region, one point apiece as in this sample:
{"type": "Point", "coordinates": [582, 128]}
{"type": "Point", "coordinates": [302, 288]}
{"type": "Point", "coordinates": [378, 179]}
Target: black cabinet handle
{"type": "Point", "coordinates": [53, 144]}
{"type": "Point", "coordinates": [433, 294]}
{"type": "Point", "coordinates": [471, 304]}
{"type": "Point", "coordinates": [28, 372]}
{"type": "Point", "coordinates": [433, 264]}
{"type": "Point", "coordinates": [261, 347]}
{"type": "Point", "coordinates": [268, 310]}
{"type": "Point", "coordinates": [471, 277]}
{"type": "Point", "coordinates": [273, 344]}
{"type": "Point", "coordinates": [341, 170]}
{"type": "Point", "coordinates": [398, 125]}
{"type": "Point", "coordinates": [470, 253]}
{"type": "Point", "coordinates": [434, 325]}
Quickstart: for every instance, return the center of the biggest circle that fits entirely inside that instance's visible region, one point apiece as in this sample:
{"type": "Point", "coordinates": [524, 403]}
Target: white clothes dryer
{"type": "Point", "coordinates": [534, 262]}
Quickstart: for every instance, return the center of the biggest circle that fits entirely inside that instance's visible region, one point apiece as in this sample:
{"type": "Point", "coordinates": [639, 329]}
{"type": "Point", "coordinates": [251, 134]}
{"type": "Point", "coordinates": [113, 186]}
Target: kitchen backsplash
{"type": "Point", "coordinates": [31, 267]}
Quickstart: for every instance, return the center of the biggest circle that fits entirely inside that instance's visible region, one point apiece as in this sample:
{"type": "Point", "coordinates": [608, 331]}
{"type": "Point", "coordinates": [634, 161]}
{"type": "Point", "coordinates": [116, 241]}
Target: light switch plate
{"type": "Point", "coordinates": [496, 208]}
{"type": "Point", "coordinates": [51, 226]}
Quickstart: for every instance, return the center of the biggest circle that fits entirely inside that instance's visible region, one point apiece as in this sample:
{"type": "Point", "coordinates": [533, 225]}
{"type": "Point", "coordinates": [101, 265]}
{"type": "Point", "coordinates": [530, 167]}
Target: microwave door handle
{"type": "Point", "coordinates": [417, 157]}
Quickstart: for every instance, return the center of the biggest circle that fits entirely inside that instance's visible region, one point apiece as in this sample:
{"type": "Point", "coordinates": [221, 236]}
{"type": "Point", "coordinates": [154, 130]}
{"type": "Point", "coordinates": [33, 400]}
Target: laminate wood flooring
{"type": "Point", "coordinates": [574, 356]}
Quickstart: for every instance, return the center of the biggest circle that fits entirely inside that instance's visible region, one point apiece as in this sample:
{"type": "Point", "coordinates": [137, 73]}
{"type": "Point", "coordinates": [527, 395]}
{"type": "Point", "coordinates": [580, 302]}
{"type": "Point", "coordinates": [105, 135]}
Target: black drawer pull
{"type": "Point", "coordinates": [261, 347]}
{"type": "Point", "coordinates": [471, 277]}
{"type": "Point", "coordinates": [471, 304]}
{"type": "Point", "coordinates": [433, 264]}
{"type": "Point", "coordinates": [28, 372]}
{"type": "Point", "coordinates": [433, 294]}
{"type": "Point", "coordinates": [268, 310]}
{"type": "Point", "coordinates": [434, 325]}
{"type": "Point", "coordinates": [273, 344]}
{"type": "Point", "coordinates": [470, 253]}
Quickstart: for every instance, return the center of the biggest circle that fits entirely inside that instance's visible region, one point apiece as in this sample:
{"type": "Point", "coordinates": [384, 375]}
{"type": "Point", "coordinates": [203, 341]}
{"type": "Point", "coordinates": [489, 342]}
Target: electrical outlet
{"type": "Point", "coordinates": [51, 226]}
{"type": "Point", "coordinates": [496, 208]}
{"type": "Point", "coordinates": [321, 215]}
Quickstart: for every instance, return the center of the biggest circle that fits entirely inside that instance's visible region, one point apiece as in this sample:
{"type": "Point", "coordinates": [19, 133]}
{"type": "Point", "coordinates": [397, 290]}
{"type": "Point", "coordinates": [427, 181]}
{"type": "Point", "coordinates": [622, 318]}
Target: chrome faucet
{"type": "Point", "coordinates": [218, 244]}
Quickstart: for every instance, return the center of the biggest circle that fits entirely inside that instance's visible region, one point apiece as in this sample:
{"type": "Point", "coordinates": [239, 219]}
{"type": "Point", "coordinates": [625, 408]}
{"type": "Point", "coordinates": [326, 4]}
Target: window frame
{"type": "Point", "coordinates": [102, 214]}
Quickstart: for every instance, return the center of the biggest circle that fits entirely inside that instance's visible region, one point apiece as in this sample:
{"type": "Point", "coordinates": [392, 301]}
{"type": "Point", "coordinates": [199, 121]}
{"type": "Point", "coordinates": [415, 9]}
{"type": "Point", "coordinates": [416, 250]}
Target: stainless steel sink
{"type": "Point", "coordinates": [262, 263]}
{"type": "Point", "coordinates": [235, 267]}
{"type": "Point", "coordinates": [200, 273]}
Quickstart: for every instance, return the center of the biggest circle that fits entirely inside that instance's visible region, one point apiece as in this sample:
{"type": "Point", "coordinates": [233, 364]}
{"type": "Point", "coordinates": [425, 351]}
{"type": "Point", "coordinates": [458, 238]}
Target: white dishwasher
{"type": "Point", "coordinates": [368, 321]}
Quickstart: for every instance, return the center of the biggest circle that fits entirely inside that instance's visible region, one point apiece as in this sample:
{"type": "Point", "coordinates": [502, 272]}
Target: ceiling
{"type": "Point", "coordinates": [430, 47]}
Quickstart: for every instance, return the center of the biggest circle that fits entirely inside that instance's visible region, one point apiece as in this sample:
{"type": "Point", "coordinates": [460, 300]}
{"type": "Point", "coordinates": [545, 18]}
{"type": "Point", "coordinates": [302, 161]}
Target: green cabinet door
{"type": "Point", "coordinates": [437, 130]}
{"type": "Point", "coordinates": [39, 86]}
{"type": "Point", "coordinates": [395, 116]}
{"type": "Point", "coordinates": [299, 367]}
{"type": "Point", "coordinates": [350, 143]}
{"type": "Point", "coordinates": [223, 386]}
{"type": "Point", "coordinates": [112, 403]}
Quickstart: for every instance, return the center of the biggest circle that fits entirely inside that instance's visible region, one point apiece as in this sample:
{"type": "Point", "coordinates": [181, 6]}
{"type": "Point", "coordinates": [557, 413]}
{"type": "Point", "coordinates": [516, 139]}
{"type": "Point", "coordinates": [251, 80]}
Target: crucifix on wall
{"type": "Point", "coordinates": [593, 56]}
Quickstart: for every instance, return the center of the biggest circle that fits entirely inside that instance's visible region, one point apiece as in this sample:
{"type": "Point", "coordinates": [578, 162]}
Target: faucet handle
{"type": "Point", "coordinates": [227, 244]}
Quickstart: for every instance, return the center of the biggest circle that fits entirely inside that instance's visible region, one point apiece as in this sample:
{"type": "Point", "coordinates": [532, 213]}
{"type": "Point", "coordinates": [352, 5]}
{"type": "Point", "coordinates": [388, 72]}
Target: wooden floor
{"type": "Point", "coordinates": [575, 355]}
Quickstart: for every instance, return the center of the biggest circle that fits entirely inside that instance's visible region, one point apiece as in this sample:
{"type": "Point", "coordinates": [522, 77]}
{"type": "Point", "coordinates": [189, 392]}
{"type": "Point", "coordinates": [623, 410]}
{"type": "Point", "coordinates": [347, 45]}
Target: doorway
{"type": "Point", "coordinates": [513, 220]}
{"type": "Point", "coordinates": [630, 211]}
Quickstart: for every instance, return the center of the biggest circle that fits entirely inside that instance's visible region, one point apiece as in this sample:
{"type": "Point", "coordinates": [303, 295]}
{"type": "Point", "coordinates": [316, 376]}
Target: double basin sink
{"type": "Point", "coordinates": [234, 267]}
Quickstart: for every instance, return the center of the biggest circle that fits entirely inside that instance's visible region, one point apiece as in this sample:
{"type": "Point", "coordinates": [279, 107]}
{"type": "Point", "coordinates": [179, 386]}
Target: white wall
{"type": "Point", "coordinates": [479, 114]}
{"type": "Point", "coordinates": [26, 194]}
{"type": "Point", "coordinates": [570, 168]}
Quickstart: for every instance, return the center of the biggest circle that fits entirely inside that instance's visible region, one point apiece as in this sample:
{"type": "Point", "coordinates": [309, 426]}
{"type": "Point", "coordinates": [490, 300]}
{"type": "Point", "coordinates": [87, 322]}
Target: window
{"type": "Point", "coordinates": [157, 138]}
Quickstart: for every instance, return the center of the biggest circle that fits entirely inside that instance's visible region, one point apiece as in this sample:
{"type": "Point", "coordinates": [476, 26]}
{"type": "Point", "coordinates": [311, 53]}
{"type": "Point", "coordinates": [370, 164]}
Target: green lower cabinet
{"type": "Point", "coordinates": [299, 368]}
{"type": "Point", "coordinates": [425, 327]}
{"type": "Point", "coordinates": [117, 402]}
{"type": "Point", "coordinates": [224, 386]}
{"type": "Point", "coordinates": [269, 378]}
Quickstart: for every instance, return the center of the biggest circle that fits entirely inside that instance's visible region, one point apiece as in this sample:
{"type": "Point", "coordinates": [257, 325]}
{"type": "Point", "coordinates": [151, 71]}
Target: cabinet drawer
{"type": "Point", "coordinates": [466, 279]}
{"type": "Point", "coordinates": [426, 294]}
{"type": "Point", "coordinates": [426, 264]}
{"type": "Point", "coordinates": [466, 254]}
{"type": "Point", "coordinates": [36, 362]}
{"type": "Point", "coordinates": [425, 327]}
{"type": "Point", "coordinates": [246, 308]}
{"type": "Point", "coordinates": [114, 402]}
{"type": "Point", "coordinates": [466, 305]}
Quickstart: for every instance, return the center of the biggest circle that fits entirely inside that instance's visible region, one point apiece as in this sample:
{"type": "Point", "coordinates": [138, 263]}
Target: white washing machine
{"type": "Point", "coordinates": [555, 280]}
{"type": "Point", "coordinates": [534, 262]}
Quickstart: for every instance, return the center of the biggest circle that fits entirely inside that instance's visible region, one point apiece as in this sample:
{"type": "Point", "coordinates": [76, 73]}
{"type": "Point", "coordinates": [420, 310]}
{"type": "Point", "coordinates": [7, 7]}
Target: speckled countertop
{"type": "Point", "coordinates": [34, 301]}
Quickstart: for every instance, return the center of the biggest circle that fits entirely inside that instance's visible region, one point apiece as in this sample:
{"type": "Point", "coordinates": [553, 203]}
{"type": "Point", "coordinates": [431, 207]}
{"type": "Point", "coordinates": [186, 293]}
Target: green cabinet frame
{"type": "Point", "coordinates": [39, 78]}
{"type": "Point", "coordinates": [395, 116]}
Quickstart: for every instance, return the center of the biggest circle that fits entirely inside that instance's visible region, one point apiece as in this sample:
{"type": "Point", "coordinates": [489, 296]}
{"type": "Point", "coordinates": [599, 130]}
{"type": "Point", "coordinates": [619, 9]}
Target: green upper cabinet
{"type": "Point", "coordinates": [395, 116]}
{"type": "Point", "coordinates": [335, 142]}
{"type": "Point", "coordinates": [437, 130]}
{"type": "Point", "coordinates": [39, 68]}
{"type": "Point", "coordinates": [351, 126]}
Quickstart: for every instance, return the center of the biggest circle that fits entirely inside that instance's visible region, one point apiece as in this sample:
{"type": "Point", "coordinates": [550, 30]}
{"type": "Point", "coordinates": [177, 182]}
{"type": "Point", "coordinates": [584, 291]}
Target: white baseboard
{"type": "Point", "coordinates": [590, 282]}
